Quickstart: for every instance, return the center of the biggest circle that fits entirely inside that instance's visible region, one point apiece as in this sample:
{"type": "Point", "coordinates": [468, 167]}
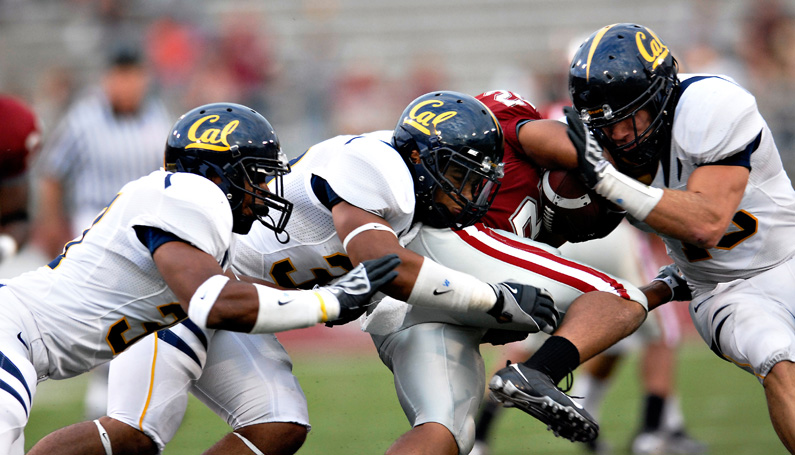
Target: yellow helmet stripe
{"type": "Point", "coordinates": [591, 51]}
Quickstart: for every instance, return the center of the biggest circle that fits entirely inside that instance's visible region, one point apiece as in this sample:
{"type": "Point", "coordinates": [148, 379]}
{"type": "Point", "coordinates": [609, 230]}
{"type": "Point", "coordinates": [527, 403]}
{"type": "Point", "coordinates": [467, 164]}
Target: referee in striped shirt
{"type": "Point", "coordinates": [108, 137]}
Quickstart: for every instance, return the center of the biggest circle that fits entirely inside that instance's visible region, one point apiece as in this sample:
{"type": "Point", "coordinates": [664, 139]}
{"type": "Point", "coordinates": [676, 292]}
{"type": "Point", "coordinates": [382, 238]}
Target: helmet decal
{"type": "Point", "coordinates": [211, 137]}
{"type": "Point", "coordinates": [658, 50]}
{"type": "Point", "coordinates": [424, 120]}
{"type": "Point", "coordinates": [591, 51]}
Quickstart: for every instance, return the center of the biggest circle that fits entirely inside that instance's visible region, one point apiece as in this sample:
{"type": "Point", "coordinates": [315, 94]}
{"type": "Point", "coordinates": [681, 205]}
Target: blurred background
{"type": "Point", "coordinates": [318, 68]}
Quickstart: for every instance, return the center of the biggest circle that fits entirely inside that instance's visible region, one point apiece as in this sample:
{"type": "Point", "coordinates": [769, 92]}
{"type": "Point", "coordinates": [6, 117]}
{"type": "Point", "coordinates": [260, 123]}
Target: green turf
{"type": "Point", "coordinates": [354, 410]}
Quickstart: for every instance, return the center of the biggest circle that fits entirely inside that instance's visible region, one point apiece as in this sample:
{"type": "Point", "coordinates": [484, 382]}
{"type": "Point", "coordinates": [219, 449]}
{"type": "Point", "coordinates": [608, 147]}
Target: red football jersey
{"type": "Point", "coordinates": [517, 206]}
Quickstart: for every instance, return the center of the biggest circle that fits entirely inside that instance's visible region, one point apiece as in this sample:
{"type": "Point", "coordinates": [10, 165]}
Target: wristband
{"type": "Point", "coordinates": [287, 310]}
{"type": "Point", "coordinates": [438, 286]}
{"type": "Point", "coordinates": [634, 197]}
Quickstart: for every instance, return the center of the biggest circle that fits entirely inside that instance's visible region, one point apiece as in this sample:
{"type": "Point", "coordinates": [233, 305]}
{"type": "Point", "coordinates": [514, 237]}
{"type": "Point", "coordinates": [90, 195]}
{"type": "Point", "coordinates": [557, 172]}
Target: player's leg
{"type": "Point", "coordinates": [148, 393]}
{"type": "Point", "coordinates": [149, 383]}
{"type": "Point", "coordinates": [440, 381]}
{"type": "Point", "coordinates": [103, 436]}
{"type": "Point", "coordinates": [750, 323]}
{"type": "Point", "coordinates": [20, 343]}
{"type": "Point", "coordinates": [779, 384]}
{"type": "Point", "coordinates": [17, 387]}
{"type": "Point", "coordinates": [248, 382]}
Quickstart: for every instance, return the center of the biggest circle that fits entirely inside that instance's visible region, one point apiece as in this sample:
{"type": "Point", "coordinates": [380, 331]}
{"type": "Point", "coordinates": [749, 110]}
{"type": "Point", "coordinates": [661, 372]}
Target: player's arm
{"type": "Point", "coordinates": [213, 300]}
{"type": "Point", "coordinates": [699, 215]}
{"type": "Point", "coordinates": [546, 143]}
{"type": "Point", "coordinates": [421, 281]}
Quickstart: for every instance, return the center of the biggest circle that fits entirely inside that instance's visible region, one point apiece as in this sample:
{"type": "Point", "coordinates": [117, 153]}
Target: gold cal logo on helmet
{"type": "Point", "coordinates": [210, 138]}
{"type": "Point", "coordinates": [657, 50]}
{"type": "Point", "coordinates": [424, 120]}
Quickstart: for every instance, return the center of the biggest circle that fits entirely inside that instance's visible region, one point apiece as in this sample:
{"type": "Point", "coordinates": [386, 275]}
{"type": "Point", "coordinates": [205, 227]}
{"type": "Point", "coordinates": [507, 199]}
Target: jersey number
{"type": "Point", "coordinates": [509, 99]}
{"type": "Point", "coordinates": [281, 270]}
{"type": "Point", "coordinates": [524, 220]}
{"type": "Point", "coordinates": [746, 224]}
{"type": "Point", "coordinates": [119, 343]}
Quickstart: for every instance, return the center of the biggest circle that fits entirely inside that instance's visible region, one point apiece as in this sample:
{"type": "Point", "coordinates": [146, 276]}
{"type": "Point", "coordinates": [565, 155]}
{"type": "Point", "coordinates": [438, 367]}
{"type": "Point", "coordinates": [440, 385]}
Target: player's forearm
{"type": "Point", "coordinates": [545, 143]}
{"type": "Point", "coordinates": [689, 217]}
{"type": "Point", "coordinates": [656, 293]}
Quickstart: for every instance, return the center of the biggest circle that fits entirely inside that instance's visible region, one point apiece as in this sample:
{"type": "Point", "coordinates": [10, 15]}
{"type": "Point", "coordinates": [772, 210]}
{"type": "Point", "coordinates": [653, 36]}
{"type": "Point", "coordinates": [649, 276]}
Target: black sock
{"type": "Point", "coordinates": [557, 357]}
{"type": "Point", "coordinates": [484, 422]}
{"type": "Point", "coordinates": [652, 412]}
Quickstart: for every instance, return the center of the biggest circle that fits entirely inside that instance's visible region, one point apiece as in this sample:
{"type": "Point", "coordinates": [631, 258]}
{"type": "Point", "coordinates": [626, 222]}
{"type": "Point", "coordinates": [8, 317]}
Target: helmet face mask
{"type": "Point", "coordinates": [619, 71]}
{"type": "Point", "coordinates": [459, 149]}
{"type": "Point", "coordinates": [237, 148]}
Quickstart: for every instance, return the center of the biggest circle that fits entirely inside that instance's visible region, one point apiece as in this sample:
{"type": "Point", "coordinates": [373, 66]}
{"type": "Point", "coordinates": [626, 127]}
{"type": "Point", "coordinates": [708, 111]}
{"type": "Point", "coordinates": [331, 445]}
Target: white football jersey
{"type": "Point", "coordinates": [365, 171]}
{"type": "Point", "coordinates": [716, 119]}
{"type": "Point", "coordinates": [105, 292]}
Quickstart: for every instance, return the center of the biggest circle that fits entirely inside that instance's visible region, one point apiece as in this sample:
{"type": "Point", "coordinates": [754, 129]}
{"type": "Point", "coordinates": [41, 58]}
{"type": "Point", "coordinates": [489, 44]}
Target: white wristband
{"type": "Point", "coordinates": [365, 227]}
{"type": "Point", "coordinates": [204, 298]}
{"type": "Point", "coordinates": [287, 310]}
{"type": "Point", "coordinates": [634, 197]}
{"type": "Point", "coordinates": [438, 286]}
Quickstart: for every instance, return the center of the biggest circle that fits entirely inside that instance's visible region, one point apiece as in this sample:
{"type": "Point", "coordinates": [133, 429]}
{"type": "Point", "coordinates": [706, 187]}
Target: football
{"type": "Point", "coordinates": [572, 210]}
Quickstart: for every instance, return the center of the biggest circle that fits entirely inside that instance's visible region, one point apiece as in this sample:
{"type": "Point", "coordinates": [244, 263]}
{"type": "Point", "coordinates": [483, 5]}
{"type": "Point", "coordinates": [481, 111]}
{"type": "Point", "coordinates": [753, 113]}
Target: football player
{"type": "Point", "coordinates": [690, 157]}
{"type": "Point", "coordinates": [440, 166]}
{"type": "Point", "coordinates": [18, 144]}
{"type": "Point", "coordinates": [157, 254]}
{"type": "Point", "coordinates": [434, 354]}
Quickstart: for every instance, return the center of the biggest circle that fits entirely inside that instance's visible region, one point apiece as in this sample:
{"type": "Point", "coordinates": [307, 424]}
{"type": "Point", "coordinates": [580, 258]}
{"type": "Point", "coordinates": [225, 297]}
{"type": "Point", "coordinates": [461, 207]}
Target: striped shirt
{"type": "Point", "coordinates": [94, 152]}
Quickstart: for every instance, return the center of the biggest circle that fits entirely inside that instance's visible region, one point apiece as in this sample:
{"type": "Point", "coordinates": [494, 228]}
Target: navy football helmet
{"type": "Point", "coordinates": [618, 71]}
{"type": "Point", "coordinates": [237, 145]}
{"type": "Point", "coordinates": [460, 147]}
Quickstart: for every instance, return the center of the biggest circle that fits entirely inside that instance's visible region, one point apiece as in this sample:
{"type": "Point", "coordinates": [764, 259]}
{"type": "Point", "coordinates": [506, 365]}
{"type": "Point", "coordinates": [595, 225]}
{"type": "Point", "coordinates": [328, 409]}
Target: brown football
{"type": "Point", "coordinates": [574, 211]}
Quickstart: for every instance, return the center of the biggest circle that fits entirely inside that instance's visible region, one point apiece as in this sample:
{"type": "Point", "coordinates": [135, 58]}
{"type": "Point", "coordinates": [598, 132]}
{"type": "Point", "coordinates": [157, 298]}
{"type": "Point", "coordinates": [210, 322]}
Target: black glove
{"type": "Point", "coordinates": [355, 289]}
{"type": "Point", "coordinates": [523, 303]}
{"type": "Point", "coordinates": [591, 160]}
{"type": "Point", "coordinates": [671, 276]}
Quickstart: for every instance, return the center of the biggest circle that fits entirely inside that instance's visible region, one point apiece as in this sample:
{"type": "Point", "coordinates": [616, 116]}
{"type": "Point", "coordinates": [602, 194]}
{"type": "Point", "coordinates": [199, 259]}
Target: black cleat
{"type": "Point", "coordinates": [534, 393]}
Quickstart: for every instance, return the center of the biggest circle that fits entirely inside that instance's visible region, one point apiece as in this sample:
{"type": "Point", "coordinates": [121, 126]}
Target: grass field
{"type": "Point", "coordinates": [354, 409]}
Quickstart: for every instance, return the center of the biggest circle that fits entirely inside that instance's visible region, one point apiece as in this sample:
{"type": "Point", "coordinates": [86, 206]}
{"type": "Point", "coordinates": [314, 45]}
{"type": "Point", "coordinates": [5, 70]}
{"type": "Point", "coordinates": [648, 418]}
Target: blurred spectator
{"type": "Point", "coordinates": [108, 137]}
{"type": "Point", "coordinates": [245, 50]}
{"type": "Point", "coordinates": [18, 143]}
{"type": "Point", "coordinates": [361, 100]}
{"type": "Point", "coordinates": [175, 49]}
{"type": "Point", "coordinates": [768, 52]}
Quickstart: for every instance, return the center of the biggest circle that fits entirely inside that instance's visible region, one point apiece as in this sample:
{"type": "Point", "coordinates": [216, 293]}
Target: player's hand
{"type": "Point", "coordinates": [591, 161]}
{"type": "Point", "coordinates": [671, 276]}
{"type": "Point", "coordinates": [355, 289]}
{"type": "Point", "coordinates": [524, 303]}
